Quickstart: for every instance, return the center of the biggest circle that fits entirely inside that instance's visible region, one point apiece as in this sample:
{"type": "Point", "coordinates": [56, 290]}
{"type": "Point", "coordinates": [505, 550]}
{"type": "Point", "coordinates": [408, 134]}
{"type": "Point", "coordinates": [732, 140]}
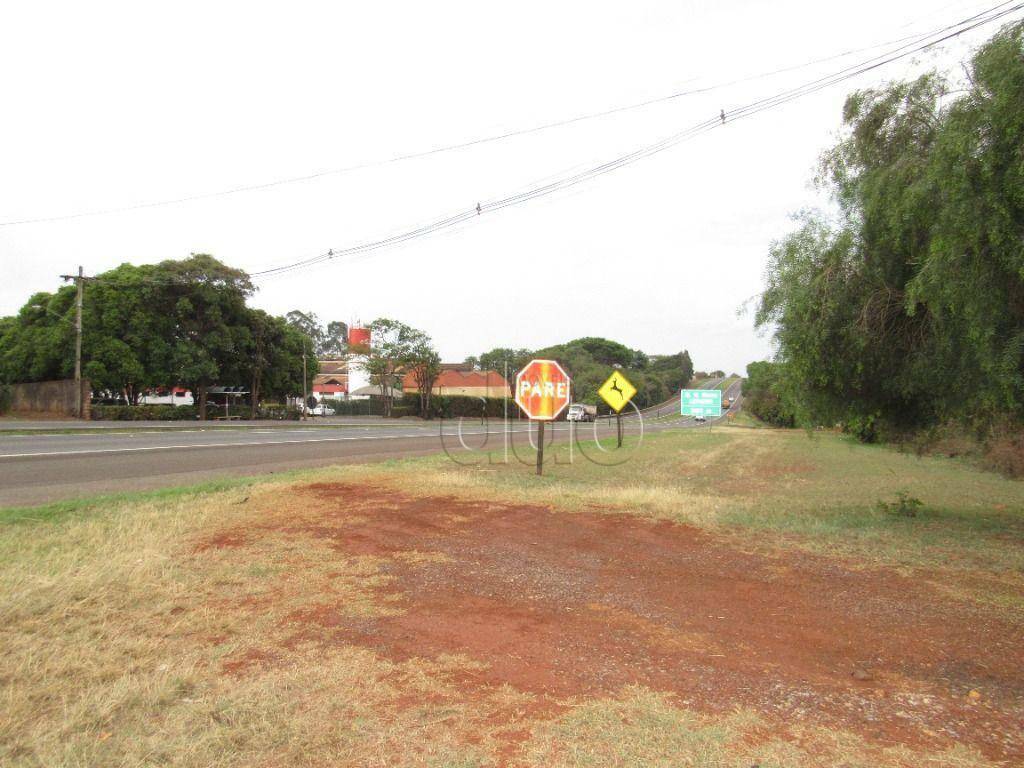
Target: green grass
{"type": "Point", "coordinates": [815, 491]}
{"type": "Point", "coordinates": [101, 504]}
{"type": "Point", "coordinates": [818, 491]}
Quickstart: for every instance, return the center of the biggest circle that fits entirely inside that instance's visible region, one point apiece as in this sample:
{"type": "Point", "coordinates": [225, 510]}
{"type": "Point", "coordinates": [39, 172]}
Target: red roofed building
{"type": "Point", "coordinates": [332, 380]}
{"type": "Point", "coordinates": [456, 381]}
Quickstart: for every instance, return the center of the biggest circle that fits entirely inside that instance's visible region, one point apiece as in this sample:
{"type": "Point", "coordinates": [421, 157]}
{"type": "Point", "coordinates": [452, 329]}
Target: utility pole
{"type": "Point", "coordinates": [304, 379]}
{"type": "Point", "coordinates": [504, 408]}
{"type": "Point", "coordinates": [78, 342]}
{"type": "Point", "coordinates": [79, 287]}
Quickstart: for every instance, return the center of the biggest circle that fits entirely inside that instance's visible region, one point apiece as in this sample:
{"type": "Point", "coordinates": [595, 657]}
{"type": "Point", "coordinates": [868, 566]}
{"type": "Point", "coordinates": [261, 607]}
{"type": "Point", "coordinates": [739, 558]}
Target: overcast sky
{"type": "Point", "coordinates": [112, 105]}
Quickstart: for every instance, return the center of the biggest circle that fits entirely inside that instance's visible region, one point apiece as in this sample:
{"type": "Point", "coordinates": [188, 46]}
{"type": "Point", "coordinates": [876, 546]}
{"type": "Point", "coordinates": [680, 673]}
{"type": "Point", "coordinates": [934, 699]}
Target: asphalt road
{"type": "Point", "coordinates": [40, 468]}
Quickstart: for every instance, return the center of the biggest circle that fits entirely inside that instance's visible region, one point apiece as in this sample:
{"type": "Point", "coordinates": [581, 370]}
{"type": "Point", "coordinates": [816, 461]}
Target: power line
{"type": "Point", "coordinates": [449, 147]}
{"type": "Point", "coordinates": [922, 42]}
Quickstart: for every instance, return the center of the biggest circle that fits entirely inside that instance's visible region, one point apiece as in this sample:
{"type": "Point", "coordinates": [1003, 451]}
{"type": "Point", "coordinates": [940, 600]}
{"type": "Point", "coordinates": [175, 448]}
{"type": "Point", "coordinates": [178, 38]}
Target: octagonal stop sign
{"type": "Point", "coordinates": [543, 389]}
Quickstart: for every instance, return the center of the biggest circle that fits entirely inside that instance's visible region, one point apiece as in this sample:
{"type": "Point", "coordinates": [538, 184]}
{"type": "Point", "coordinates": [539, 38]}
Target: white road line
{"type": "Point", "coordinates": [255, 443]}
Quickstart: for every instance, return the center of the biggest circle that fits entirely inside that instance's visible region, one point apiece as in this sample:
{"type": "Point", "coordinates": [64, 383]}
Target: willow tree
{"type": "Point", "coordinates": [908, 308]}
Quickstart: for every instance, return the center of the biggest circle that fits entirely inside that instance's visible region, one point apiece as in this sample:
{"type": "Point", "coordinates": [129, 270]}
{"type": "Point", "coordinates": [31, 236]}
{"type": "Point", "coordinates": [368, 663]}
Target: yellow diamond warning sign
{"type": "Point", "coordinates": [617, 391]}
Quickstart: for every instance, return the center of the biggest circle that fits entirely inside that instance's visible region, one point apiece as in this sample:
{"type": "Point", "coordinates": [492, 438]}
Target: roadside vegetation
{"type": "Point", "coordinates": [903, 313]}
{"type": "Point", "coordinates": [420, 612]}
{"type": "Point", "coordinates": [589, 362]}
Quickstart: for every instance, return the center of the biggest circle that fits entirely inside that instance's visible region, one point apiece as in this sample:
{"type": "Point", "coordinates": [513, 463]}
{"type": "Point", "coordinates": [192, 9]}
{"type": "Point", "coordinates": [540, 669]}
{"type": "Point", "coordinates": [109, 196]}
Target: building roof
{"type": "Point", "coordinates": [459, 378]}
{"type": "Point", "coordinates": [333, 366]}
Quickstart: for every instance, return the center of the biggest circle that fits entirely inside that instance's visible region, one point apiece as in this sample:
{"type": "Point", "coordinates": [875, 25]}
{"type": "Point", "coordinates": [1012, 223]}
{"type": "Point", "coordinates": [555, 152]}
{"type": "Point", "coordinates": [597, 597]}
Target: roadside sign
{"type": "Point", "coordinates": [701, 402]}
{"type": "Point", "coordinates": [617, 391]}
{"type": "Point", "coordinates": [543, 390]}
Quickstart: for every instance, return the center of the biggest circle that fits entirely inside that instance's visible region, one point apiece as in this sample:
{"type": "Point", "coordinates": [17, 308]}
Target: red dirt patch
{"type": "Point", "coordinates": [221, 541]}
{"type": "Point", "coordinates": [562, 605]}
{"type": "Point", "coordinates": [246, 661]}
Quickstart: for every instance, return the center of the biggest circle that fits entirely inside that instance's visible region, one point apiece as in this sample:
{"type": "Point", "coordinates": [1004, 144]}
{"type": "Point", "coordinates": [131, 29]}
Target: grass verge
{"type": "Point", "coordinates": [130, 634]}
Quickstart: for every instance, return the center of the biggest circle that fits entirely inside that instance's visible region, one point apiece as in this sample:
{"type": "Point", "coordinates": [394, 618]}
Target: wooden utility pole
{"type": "Point", "coordinates": [304, 380]}
{"type": "Point", "coordinates": [504, 408]}
{"type": "Point", "coordinates": [79, 288]}
{"type": "Point", "coordinates": [78, 342]}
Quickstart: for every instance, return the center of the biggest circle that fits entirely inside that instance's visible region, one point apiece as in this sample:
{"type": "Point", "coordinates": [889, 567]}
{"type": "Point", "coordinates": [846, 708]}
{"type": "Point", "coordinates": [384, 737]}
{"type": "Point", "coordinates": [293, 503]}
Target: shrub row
{"type": "Point", "coordinates": [188, 412]}
{"type": "Point", "coordinates": [279, 412]}
{"type": "Point", "coordinates": [144, 412]}
{"type": "Point", "coordinates": [441, 406]}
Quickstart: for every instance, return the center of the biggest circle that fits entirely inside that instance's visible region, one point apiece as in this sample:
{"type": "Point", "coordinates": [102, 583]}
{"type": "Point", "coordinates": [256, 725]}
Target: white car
{"type": "Point", "coordinates": [320, 410]}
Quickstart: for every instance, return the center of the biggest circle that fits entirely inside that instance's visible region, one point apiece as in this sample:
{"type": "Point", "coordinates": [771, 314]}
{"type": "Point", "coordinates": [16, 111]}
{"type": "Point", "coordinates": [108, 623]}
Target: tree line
{"type": "Point", "coordinates": [906, 308]}
{"type": "Point", "coordinates": [590, 360]}
{"type": "Point", "coordinates": [187, 323]}
{"type": "Point", "coordinates": [173, 323]}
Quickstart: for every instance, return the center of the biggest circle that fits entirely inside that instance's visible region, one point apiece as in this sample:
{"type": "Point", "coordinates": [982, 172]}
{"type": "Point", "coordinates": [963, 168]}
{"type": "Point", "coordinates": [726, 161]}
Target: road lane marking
{"type": "Point", "coordinates": [257, 443]}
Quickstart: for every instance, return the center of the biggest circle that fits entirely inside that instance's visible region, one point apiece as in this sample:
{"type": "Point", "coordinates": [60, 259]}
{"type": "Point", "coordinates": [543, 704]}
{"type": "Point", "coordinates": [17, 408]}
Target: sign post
{"type": "Point", "coordinates": [617, 391]}
{"type": "Point", "coordinates": [543, 391]}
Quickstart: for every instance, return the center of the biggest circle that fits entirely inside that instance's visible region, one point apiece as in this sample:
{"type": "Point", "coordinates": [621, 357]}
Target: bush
{"type": "Point", "coordinates": [370, 407]}
{"type": "Point", "coordinates": [763, 395]}
{"type": "Point", "coordinates": [279, 412]}
{"type": "Point", "coordinates": [1004, 452]}
{"type": "Point", "coordinates": [5, 398]}
{"type": "Point", "coordinates": [398, 411]}
{"type": "Point", "coordinates": [456, 406]}
{"type": "Point", "coordinates": [865, 427]}
{"type": "Point", "coordinates": [905, 505]}
{"type": "Point", "coordinates": [144, 412]}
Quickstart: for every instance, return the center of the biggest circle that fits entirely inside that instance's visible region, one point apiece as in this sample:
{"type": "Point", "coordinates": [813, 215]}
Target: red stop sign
{"type": "Point", "coordinates": [543, 389]}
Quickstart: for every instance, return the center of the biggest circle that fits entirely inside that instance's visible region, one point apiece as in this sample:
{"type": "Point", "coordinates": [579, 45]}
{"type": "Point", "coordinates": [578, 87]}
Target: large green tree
{"type": "Point", "coordinates": [394, 348]}
{"type": "Point", "coordinates": [177, 322]}
{"type": "Point", "coordinates": [908, 308]}
{"type": "Point", "coordinates": [206, 301]}
{"type": "Point", "coordinates": [330, 340]}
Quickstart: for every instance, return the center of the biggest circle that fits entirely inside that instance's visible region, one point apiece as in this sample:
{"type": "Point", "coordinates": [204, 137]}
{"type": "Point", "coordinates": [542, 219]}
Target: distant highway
{"type": "Point", "coordinates": [671, 406]}
{"type": "Point", "coordinates": [40, 468]}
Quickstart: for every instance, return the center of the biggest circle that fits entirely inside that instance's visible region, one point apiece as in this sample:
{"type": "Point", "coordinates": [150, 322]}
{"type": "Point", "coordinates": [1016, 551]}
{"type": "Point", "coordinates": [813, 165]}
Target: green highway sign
{"type": "Point", "coordinates": [701, 402]}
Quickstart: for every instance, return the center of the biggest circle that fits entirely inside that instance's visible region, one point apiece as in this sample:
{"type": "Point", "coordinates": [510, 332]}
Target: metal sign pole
{"type": "Point", "coordinates": [540, 447]}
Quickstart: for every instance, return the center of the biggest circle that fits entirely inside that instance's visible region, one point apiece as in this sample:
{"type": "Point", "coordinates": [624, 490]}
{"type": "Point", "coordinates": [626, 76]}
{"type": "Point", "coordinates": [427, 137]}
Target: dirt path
{"type": "Point", "coordinates": [577, 605]}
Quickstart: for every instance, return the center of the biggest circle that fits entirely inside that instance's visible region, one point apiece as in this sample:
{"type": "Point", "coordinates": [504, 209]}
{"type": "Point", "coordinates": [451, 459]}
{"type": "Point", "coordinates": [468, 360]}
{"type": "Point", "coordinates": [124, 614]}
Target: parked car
{"type": "Point", "coordinates": [320, 410]}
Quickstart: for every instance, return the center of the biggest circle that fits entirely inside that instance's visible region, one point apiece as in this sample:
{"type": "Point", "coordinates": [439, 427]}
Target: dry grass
{"type": "Point", "coordinates": [131, 636]}
{"type": "Point", "coordinates": [642, 729]}
{"type": "Point", "coordinates": [123, 645]}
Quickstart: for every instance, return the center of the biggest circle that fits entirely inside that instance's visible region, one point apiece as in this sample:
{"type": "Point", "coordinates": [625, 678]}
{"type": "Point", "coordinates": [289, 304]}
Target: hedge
{"type": "Point", "coordinates": [144, 412]}
{"type": "Point", "coordinates": [188, 412]}
{"type": "Point", "coordinates": [279, 412]}
{"type": "Point", "coordinates": [372, 406]}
